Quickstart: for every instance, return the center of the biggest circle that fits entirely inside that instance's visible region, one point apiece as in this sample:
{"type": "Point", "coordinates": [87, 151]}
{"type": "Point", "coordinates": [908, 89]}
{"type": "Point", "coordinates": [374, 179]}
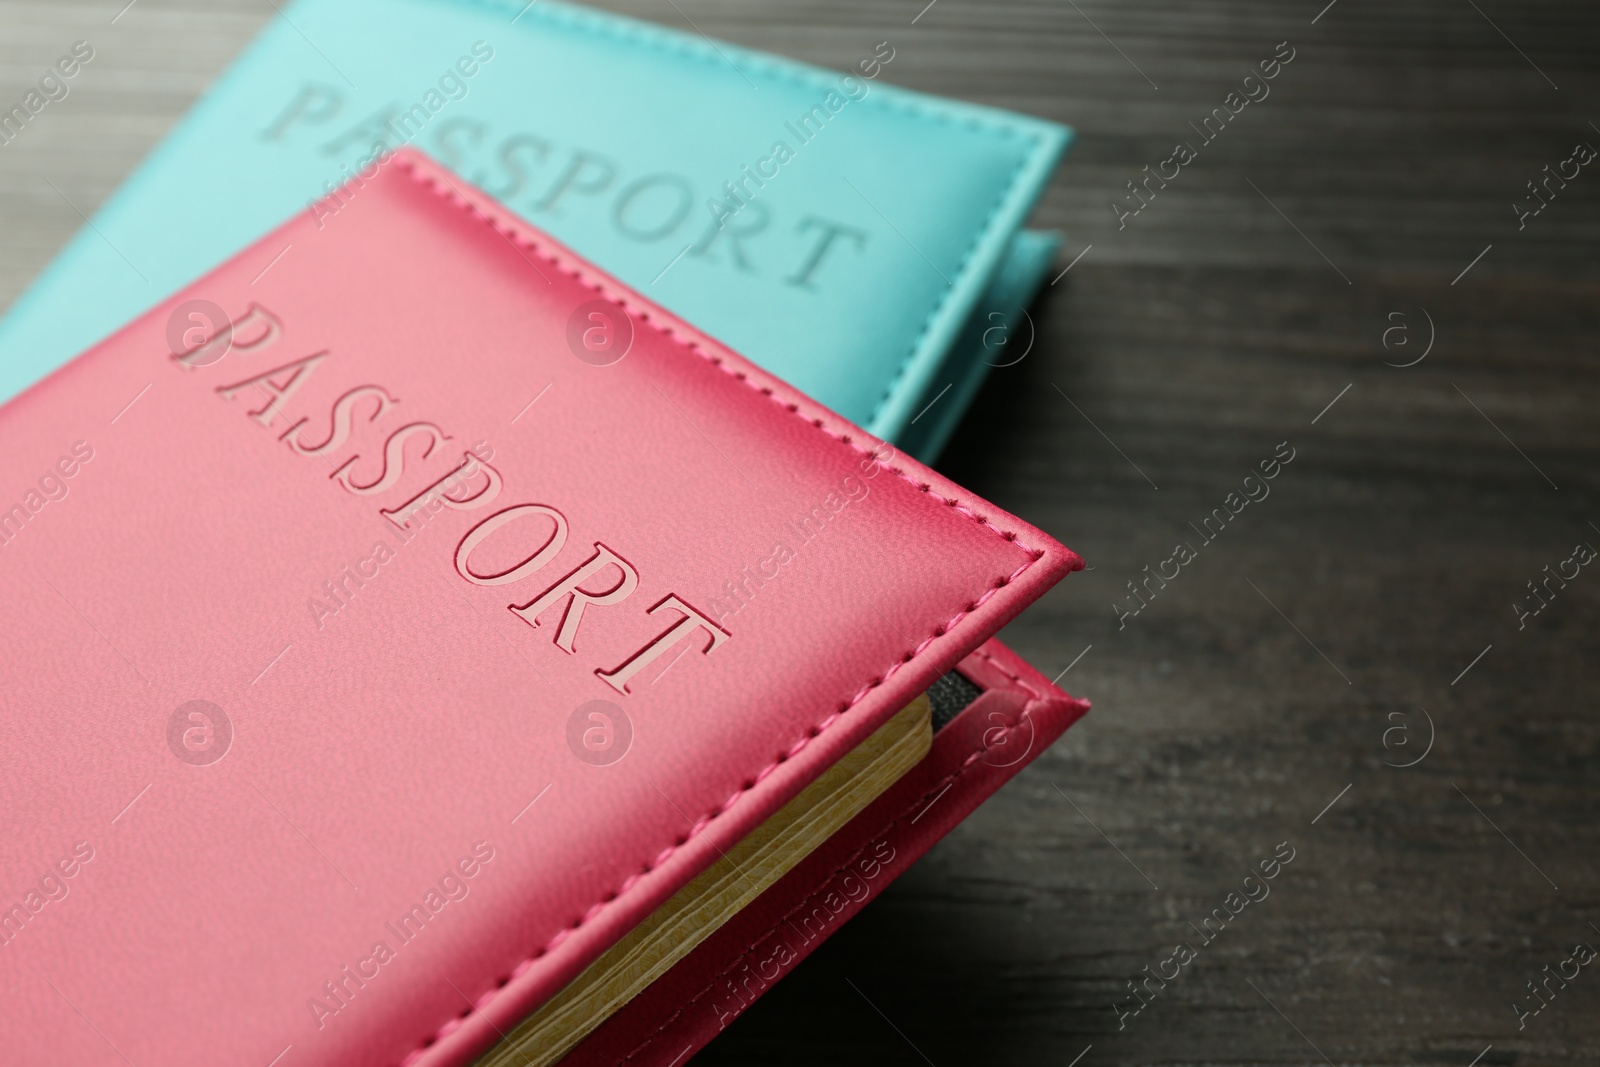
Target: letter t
{"type": "Point", "coordinates": [693, 620]}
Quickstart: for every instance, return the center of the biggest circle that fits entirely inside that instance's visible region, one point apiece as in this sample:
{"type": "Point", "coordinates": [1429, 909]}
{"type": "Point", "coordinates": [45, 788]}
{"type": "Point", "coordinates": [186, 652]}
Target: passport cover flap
{"type": "Point", "coordinates": [1019, 715]}
{"type": "Point", "coordinates": [849, 270]}
{"type": "Point", "coordinates": [298, 542]}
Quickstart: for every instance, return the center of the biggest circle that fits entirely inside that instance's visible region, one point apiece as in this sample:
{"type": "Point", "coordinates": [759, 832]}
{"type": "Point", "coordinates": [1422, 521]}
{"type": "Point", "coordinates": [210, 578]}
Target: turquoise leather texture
{"type": "Point", "coordinates": [853, 238]}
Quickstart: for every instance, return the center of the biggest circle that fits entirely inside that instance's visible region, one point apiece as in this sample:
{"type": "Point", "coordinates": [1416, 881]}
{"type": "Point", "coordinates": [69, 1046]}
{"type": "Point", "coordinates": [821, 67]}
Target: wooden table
{"type": "Point", "coordinates": [1265, 694]}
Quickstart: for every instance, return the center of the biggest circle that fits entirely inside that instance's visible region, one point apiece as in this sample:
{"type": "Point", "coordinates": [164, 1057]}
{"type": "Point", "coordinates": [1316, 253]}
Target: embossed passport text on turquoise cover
{"type": "Point", "coordinates": [861, 241]}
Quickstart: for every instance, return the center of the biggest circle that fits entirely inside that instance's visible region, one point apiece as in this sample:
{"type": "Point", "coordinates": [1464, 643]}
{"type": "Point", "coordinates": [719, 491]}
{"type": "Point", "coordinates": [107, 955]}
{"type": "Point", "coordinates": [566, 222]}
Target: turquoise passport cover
{"type": "Point", "coordinates": [859, 240]}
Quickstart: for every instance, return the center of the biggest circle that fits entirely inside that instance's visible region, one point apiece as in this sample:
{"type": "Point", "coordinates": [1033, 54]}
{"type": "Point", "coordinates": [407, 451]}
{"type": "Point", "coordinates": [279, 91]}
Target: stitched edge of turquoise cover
{"type": "Point", "coordinates": [1000, 334]}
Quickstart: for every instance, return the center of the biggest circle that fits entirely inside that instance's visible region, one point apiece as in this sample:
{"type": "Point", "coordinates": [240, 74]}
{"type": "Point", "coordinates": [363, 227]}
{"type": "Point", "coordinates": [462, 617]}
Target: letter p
{"type": "Point", "coordinates": [314, 104]}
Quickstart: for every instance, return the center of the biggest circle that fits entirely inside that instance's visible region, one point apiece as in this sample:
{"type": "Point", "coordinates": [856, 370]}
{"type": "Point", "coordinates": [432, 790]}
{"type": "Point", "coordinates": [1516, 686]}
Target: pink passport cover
{"type": "Point", "coordinates": [401, 852]}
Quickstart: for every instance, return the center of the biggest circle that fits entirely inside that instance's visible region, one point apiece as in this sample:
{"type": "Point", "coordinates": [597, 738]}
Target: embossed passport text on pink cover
{"type": "Point", "coordinates": [377, 658]}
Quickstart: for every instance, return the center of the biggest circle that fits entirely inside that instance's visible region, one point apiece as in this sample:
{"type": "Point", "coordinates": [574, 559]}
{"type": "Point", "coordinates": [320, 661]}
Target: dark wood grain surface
{"type": "Point", "coordinates": [1247, 704]}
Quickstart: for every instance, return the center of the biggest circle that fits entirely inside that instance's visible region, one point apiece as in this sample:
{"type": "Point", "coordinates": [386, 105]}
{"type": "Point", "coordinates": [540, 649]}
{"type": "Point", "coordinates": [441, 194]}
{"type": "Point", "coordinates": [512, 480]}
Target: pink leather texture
{"type": "Point", "coordinates": [409, 841]}
{"type": "Point", "coordinates": [1019, 715]}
